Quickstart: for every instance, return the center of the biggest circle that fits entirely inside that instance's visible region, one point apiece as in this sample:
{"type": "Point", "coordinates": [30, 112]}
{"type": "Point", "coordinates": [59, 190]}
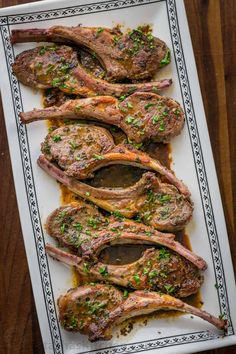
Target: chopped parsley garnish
{"type": "Point", "coordinates": [42, 51]}
{"type": "Point", "coordinates": [63, 227]}
{"type": "Point", "coordinates": [39, 65]}
{"type": "Point", "coordinates": [117, 214]}
{"type": "Point", "coordinates": [99, 30]}
{"type": "Point", "coordinates": [155, 90]}
{"type": "Point", "coordinates": [64, 68]}
{"type": "Point", "coordinates": [152, 274]}
{"type": "Point", "coordinates": [136, 145]}
{"type": "Point", "coordinates": [169, 288]}
{"type": "Point", "coordinates": [163, 275]}
{"type": "Point", "coordinates": [150, 195]}
{"type": "Point", "coordinates": [56, 82]}
{"type": "Point", "coordinates": [56, 138]}
{"type": "Point", "coordinates": [115, 39]}
{"type": "Point", "coordinates": [129, 119]}
{"type": "Point", "coordinates": [164, 198]}
{"type": "Point", "coordinates": [46, 148]}
{"type": "Point", "coordinates": [73, 322]}
{"type": "Point", "coordinates": [122, 98]}
{"type": "Point", "coordinates": [164, 213]}
{"type": "Point", "coordinates": [155, 119]}
{"type": "Point", "coordinates": [137, 279]}
{"type": "Point", "coordinates": [163, 253]}
{"type": "Point", "coordinates": [132, 90]}
{"type": "Point", "coordinates": [92, 222]}
{"type": "Point", "coordinates": [177, 111]}
{"type": "Point", "coordinates": [49, 68]}
{"type": "Point", "coordinates": [98, 157]}
{"type": "Point", "coordinates": [85, 268]}
{"type": "Point", "coordinates": [162, 126]}
{"type": "Point", "coordinates": [103, 271]}
{"type": "Point", "coordinates": [125, 294]}
{"type": "Point", "coordinates": [78, 226]}
{"type": "Point", "coordinates": [166, 59]}
{"type": "Point", "coordinates": [129, 105]}
{"type": "Point", "coordinates": [61, 214]}
{"type": "Point", "coordinates": [148, 105]}
{"type": "Point", "coordinates": [73, 145]}
{"type": "Point", "coordinates": [95, 307]}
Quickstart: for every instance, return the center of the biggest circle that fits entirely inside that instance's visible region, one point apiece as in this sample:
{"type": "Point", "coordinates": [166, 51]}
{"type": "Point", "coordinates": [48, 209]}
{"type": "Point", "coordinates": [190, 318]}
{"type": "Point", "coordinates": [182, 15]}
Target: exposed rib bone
{"type": "Point", "coordinates": [106, 238]}
{"type": "Point", "coordinates": [126, 200]}
{"type": "Point", "coordinates": [150, 271]}
{"type": "Point", "coordinates": [109, 230]}
{"type": "Point", "coordinates": [99, 321]}
{"type": "Point", "coordinates": [142, 121]}
{"type": "Point", "coordinates": [115, 57]}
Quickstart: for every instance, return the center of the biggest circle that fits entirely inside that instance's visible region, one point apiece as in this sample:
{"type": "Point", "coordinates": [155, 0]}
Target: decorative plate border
{"type": "Point", "coordinates": [198, 159]}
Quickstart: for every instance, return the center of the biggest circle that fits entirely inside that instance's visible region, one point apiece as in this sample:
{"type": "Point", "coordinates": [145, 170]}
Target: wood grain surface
{"type": "Point", "coordinates": [213, 31]}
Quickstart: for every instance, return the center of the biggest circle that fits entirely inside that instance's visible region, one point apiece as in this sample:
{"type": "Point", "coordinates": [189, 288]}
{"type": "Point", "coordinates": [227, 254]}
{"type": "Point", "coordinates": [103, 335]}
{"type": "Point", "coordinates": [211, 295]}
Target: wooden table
{"type": "Point", "coordinates": [213, 30]}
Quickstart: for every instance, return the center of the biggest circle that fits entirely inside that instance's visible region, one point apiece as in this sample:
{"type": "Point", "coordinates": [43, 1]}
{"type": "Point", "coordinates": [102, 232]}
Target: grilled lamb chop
{"type": "Point", "coordinates": [82, 149]}
{"type": "Point", "coordinates": [134, 55]}
{"type": "Point", "coordinates": [142, 116]}
{"type": "Point", "coordinates": [155, 203]}
{"type": "Point", "coordinates": [57, 66]}
{"type": "Point", "coordinates": [156, 269]}
{"type": "Point", "coordinates": [95, 310]}
{"type": "Point", "coordinates": [82, 228]}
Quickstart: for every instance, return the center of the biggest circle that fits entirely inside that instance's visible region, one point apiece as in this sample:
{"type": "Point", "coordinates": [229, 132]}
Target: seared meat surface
{"type": "Point", "coordinates": [75, 224]}
{"type": "Point", "coordinates": [95, 310]}
{"type": "Point", "coordinates": [71, 143]}
{"type": "Point", "coordinates": [80, 150]}
{"type": "Point", "coordinates": [157, 204]}
{"type": "Point", "coordinates": [82, 228]}
{"type": "Point", "coordinates": [58, 66]}
{"type": "Point", "coordinates": [133, 55]}
{"type": "Point", "coordinates": [45, 67]}
{"type": "Point", "coordinates": [142, 116]}
{"type": "Point", "coordinates": [157, 269]}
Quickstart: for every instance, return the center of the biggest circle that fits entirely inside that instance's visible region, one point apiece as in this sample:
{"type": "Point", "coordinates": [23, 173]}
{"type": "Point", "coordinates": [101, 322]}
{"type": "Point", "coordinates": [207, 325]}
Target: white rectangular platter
{"type": "Point", "coordinates": [38, 194]}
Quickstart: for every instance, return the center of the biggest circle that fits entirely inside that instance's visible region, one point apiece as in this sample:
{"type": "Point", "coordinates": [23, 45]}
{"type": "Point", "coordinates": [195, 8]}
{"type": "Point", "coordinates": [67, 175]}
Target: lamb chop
{"type": "Point", "coordinates": [157, 204]}
{"type": "Point", "coordinates": [58, 66]}
{"type": "Point", "coordinates": [134, 55]}
{"type": "Point", "coordinates": [142, 116]}
{"type": "Point", "coordinates": [96, 309]}
{"type": "Point", "coordinates": [82, 149]}
{"type": "Point", "coordinates": [156, 269]}
{"type": "Point", "coordinates": [81, 227]}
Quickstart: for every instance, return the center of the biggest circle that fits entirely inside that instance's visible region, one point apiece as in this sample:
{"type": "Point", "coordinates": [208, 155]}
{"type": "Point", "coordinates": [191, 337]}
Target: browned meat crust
{"type": "Point", "coordinates": [95, 310]}
{"type": "Point", "coordinates": [80, 150]}
{"type": "Point", "coordinates": [134, 55]}
{"type": "Point", "coordinates": [157, 269]}
{"type": "Point", "coordinates": [58, 67]}
{"type": "Point", "coordinates": [157, 204]}
{"type": "Point", "coordinates": [142, 116]}
{"type": "Point", "coordinates": [82, 228]}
